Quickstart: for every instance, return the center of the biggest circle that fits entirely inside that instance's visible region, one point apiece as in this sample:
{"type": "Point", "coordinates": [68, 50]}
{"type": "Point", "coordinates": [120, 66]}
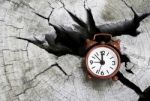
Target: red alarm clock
{"type": "Point", "coordinates": [103, 58]}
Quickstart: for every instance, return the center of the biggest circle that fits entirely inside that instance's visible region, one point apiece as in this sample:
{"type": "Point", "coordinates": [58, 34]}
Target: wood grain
{"type": "Point", "coordinates": [24, 68]}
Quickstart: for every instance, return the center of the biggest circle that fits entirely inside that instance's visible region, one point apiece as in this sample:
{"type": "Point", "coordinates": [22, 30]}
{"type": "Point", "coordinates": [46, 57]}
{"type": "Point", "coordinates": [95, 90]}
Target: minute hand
{"type": "Point", "coordinates": [102, 59]}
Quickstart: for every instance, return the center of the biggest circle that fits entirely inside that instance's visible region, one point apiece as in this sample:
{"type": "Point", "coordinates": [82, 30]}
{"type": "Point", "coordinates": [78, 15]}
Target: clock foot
{"type": "Point", "coordinates": [115, 78]}
{"type": "Point", "coordinates": [89, 76]}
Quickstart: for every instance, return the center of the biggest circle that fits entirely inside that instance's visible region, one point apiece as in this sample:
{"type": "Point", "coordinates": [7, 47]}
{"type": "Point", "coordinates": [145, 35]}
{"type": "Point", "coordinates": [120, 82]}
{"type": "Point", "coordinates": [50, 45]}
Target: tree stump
{"type": "Point", "coordinates": [25, 70]}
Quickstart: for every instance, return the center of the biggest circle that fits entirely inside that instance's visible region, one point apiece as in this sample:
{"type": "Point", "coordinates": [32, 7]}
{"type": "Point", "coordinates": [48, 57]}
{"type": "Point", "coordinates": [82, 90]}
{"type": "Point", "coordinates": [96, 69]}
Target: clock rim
{"type": "Point", "coordinates": [118, 57]}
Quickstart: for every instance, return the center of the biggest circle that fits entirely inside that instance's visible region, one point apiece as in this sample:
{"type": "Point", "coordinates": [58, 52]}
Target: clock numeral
{"type": "Point", "coordinates": [97, 72]}
{"type": "Point", "coordinates": [102, 73]}
{"type": "Point", "coordinates": [93, 67]}
{"type": "Point", "coordinates": [91, 61]}
{"type": "Point", "coordinates": [107, 54]}
{"type": "Point", "coordinates": [97, 54]}
{"type": "Point", "coordinates": [113, 62]}
{"type": "Point", "coordinates": [111, 57]}
{"type": "Point", "coordinates": [107, 71]}
{"type": "Point", "coordinates": [111, 67]}
{"type": "Point", "coordinates": [93, 57]}
{"type": "Point", "coordinates": [103, 52]}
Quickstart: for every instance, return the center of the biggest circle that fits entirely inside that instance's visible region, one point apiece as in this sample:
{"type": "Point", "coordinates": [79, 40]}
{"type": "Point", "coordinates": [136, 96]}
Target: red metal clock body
{"type": "Point", "coordinates": [103, 58]}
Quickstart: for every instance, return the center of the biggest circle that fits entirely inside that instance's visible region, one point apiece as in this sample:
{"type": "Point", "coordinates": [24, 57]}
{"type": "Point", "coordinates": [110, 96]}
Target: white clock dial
{"type": "Point", "coordinates": [103, 61]}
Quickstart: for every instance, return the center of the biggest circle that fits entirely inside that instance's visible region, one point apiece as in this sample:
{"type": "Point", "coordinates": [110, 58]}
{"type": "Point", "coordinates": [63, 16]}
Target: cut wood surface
{"type": "Point", "coordinates": [25, 69]}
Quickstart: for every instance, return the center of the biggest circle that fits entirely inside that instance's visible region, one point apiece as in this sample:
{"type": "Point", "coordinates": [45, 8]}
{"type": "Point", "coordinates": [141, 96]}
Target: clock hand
{"type": "Point", "coordinates": [102, 56]}
{"type": "Point", "coordinates": [96, 62]}
{"type": "Point", "coordinates": [98, 58]}
{"type": "Point", "coordinates": [102, 62]}
{"type": "Point", "coordinates": [100, 68]}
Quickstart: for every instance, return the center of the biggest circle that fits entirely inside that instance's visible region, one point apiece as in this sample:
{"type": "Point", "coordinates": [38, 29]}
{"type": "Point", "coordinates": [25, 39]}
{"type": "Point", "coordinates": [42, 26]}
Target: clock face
{"type": "Point", "coordinates": [103, 61]}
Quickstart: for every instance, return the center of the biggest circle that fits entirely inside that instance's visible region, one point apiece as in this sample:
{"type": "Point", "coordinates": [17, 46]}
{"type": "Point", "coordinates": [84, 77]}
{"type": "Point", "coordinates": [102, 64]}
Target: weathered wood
{"type": "Point", "coordinates": [24, 68]}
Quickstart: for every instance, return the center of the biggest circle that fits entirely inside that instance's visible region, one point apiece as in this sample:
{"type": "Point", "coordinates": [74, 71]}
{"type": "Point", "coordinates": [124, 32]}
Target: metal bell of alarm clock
{"type": "Point", "coordinates": [103, 57]}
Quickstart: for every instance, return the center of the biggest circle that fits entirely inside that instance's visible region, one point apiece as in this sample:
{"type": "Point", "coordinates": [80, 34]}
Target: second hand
{"type": "Point", "coordinates": [100, 68]}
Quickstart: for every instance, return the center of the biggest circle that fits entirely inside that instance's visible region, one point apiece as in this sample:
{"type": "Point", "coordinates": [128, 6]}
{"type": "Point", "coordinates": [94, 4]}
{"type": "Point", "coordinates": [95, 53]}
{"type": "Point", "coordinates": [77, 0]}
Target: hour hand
{"type": "Point", "coordinates": [96, 62]}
